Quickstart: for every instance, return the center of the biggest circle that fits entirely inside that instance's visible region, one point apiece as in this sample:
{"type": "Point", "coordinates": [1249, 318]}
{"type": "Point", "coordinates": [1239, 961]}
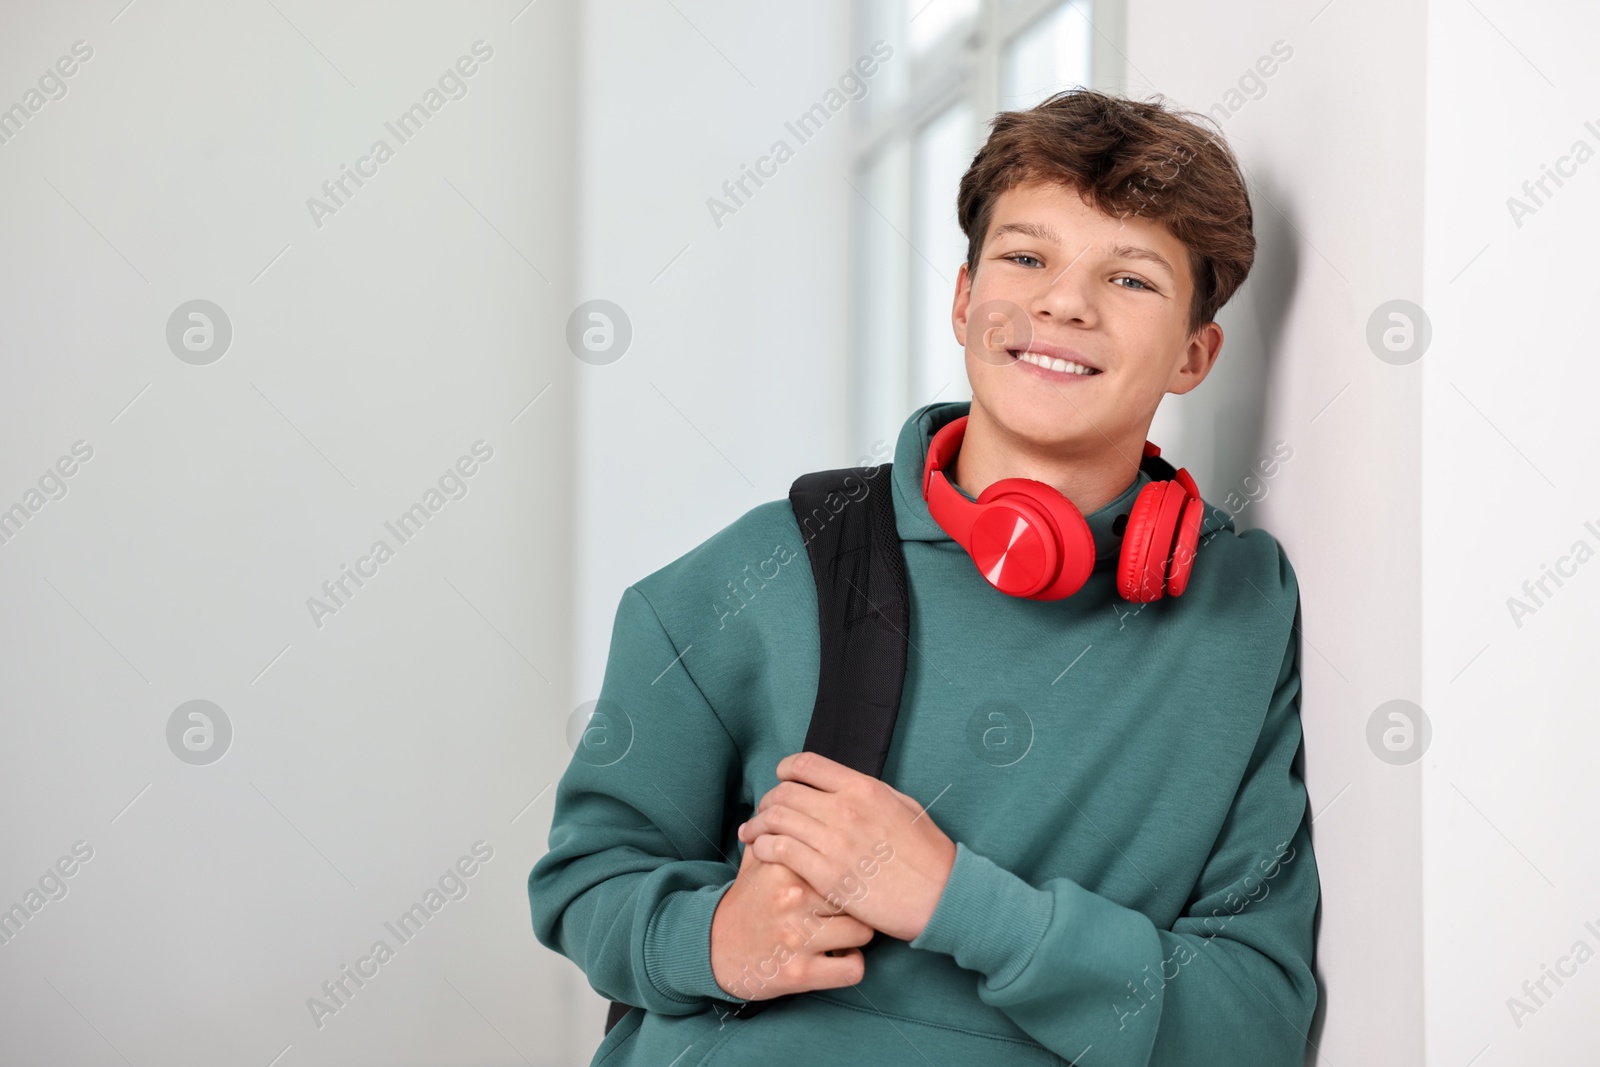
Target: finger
{"type": "Point", "coordinates": [799, 857]}
{"type": "Point", "coordinates": [840, 932]}
{"type": "Point", "coordinates": [748, 864]}
{"type": "Point", "coordinates": [818, 926]}
{"type": "Point", "coordinates": [779, 819]}
{"type": "Point", "coordinates": [817, 770]}
{"type": "Point", "coordinates": [831, 972]}
{"type": "Point", "coordinates": [796, 795]}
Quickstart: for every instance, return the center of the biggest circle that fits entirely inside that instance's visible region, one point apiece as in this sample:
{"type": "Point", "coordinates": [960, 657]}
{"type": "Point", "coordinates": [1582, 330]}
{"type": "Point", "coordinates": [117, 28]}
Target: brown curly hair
{"type": "Point", "coordinates": [1126, 157]}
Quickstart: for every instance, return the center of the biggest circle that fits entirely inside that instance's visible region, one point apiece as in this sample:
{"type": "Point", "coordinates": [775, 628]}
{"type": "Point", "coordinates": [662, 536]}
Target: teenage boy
{"type": "Point", "coordinates": [1090, 840]}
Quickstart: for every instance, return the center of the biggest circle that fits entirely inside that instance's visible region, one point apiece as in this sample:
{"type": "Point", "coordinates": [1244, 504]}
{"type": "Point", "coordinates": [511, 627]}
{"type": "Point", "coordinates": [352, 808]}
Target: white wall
{"type": "Point", "coordinates": [735, 380]}
{"type": "Point", "coordinates": [369, 754]}
{"type": "Point", "coordinates": [1509, 386]}
{"type": "Point", "coordinates": [1332, 145]}
{"type": "Point", "coordinates": [735, 377]}
{"type": "Point", "coordinates": [1382, 155]}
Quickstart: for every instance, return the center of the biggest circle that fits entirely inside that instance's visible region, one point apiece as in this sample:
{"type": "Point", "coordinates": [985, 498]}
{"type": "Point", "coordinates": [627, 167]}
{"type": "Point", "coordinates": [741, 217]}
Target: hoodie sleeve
{"type": "Point", "coordinates": [633, 873]}
{"type": "Point", "coordinates": [1230, 983]}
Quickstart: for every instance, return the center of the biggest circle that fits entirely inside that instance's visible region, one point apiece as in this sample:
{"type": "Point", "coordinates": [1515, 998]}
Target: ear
{"type": "Point", "coordinates": [1199, 356]}
{"type": "Point", "coordinates": [958, 309]}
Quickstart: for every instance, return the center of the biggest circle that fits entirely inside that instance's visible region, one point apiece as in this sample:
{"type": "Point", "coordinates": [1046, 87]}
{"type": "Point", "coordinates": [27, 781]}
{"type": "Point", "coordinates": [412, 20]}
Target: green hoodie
{"type": "Point", "coordinates": [1134, 880]}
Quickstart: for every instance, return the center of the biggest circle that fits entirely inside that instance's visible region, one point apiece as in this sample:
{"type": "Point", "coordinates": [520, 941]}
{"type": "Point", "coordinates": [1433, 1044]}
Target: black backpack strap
{"type": "Point", "coordinates": [846, 518]}
{"type": "Point", "coordinates": [615, 1013]}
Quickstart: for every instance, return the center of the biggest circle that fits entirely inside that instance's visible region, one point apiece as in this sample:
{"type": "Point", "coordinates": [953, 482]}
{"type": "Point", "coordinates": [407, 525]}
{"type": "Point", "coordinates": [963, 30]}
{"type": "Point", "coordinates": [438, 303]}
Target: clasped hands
{"type": "Point", "coordinates": [830, 856]}
{"type": "Point", "coordinates": [828, 823]}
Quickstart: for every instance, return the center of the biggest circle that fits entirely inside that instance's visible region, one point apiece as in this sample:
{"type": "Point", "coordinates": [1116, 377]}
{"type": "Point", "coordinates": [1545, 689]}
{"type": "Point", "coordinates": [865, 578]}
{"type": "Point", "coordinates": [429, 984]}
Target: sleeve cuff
{"type": "Point", "coordinates": [677, 946]}
{"type": "Point", "coordinates": [990, 920]}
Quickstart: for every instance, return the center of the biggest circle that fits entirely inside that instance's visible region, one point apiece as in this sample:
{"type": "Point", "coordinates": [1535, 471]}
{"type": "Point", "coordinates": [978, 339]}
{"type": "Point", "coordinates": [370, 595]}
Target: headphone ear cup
{"type": "Point", "coordinates": [1144, 579]}
{"type": "Point", "coordinates": [1052, 562]}
{"type": "Point", "coordinates": [1136, 542]}
{"type": "Point", "coordinates": [1163, 537]}
{"type": "Point", "coordinates": [1188, 544]}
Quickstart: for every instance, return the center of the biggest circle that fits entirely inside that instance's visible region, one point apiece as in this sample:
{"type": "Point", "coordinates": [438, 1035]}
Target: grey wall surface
{"type": "Point", "coordinates": [1511, 522]}
{"type": "Point", "coordinates": [376, 342]}
{"type": "Point", "coordinates": [736, 377]}
{"type": "Point", "coordinates": [1329, 130]}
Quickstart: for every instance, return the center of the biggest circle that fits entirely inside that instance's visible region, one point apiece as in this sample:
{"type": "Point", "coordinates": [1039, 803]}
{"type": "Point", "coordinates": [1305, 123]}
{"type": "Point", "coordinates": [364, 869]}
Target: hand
{"type": "Point", "coordinates": [772, 934]}
{"type": "Point", "coordinates": [854, 836]}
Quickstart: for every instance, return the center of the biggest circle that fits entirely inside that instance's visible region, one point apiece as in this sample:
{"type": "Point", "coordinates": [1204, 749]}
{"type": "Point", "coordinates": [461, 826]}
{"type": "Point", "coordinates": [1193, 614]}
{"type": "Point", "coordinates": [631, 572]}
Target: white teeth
{"type": "Point", "coordinates": [1062, 365]}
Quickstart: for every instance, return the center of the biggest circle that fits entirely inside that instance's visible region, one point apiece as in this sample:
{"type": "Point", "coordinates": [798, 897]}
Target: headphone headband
{"type": "Point", "coordinates": [947, 443]}
{"type": "Point", "coordinates": [1160, 470]}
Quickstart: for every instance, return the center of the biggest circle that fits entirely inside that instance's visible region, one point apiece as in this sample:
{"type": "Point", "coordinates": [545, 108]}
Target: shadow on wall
{"type": "Point", "coordinates": [1223, 433]}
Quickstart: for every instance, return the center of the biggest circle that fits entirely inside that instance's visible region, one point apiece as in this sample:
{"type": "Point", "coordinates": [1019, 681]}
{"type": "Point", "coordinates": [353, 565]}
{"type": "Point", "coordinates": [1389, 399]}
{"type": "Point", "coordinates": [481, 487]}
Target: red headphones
{"type": "Point", "coordinates": [1030, 541]}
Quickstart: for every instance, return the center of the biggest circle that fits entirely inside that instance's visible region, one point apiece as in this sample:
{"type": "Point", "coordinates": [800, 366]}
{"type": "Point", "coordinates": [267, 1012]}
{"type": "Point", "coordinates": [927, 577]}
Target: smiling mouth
{"type": "Point", "coordinates": [1060, 366]}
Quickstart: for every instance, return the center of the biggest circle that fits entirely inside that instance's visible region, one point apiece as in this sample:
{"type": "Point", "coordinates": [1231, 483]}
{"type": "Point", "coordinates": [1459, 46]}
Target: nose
{"type": "Point", "coordinates": [1070, 295]}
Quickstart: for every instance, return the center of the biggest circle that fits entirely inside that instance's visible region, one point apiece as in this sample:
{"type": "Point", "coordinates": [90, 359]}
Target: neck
{"type": "Point", "coordinates": [1091, 479]}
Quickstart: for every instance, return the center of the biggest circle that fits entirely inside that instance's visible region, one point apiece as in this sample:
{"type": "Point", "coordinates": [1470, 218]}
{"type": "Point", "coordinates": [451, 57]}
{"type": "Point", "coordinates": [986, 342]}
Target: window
{"type": "Point", "coordinates": [955, 63]}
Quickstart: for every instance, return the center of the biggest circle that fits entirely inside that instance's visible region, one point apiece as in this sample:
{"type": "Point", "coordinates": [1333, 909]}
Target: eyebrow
{"type": "Point", "coordinates": [1141, 252]}
{"type": "Point", "coordinates": [1040, 232]}
{"type": "Point", "coordinates": [1035, 230]}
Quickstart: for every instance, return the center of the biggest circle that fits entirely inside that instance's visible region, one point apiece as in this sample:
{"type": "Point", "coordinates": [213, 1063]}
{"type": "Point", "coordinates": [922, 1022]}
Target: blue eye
{"type": "Point", "coordinates": [1023, 255]}
{"type": "Point", "coordinates": [1127, 278]}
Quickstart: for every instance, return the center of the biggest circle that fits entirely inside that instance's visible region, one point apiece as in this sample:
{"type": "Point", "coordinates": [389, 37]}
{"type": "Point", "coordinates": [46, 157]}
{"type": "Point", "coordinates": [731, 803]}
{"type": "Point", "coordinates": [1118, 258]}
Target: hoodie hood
{"type": "Point", "coordinates": [915, 523]}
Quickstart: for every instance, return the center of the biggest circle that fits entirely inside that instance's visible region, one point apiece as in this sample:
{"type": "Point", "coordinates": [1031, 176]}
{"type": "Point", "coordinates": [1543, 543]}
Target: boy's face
{"type": "Point", "coordinates": [1083, 286]}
